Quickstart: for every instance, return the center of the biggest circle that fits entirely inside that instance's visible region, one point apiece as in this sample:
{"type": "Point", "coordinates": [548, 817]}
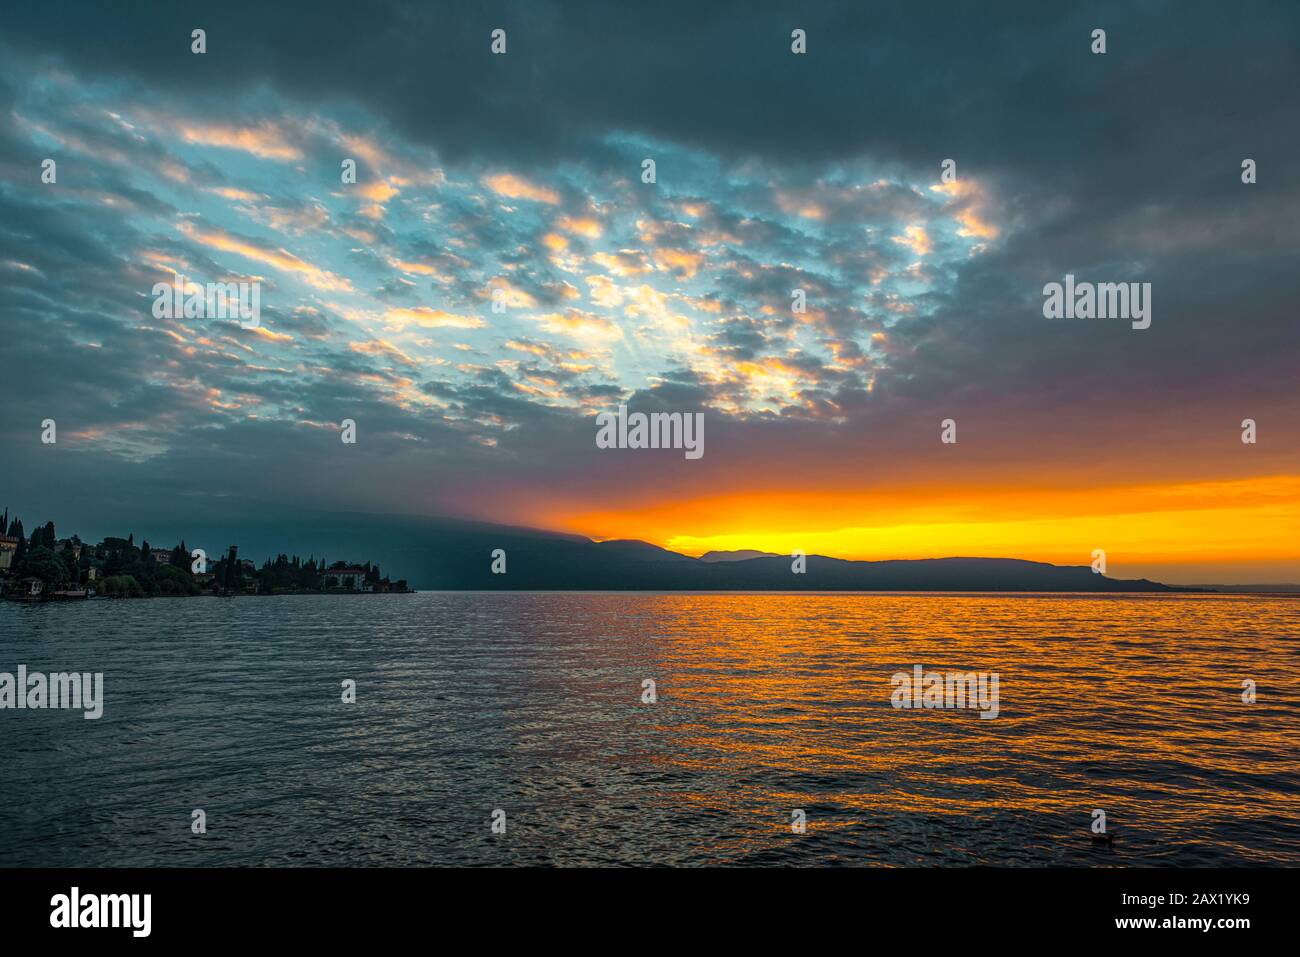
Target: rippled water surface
{"type": "Point", "coordinates": [766, 703]}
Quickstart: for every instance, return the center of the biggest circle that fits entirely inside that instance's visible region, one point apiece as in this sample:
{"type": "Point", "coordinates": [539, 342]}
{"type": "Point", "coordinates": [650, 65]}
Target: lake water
{"type": "Point", "coordinates": [767, 703]}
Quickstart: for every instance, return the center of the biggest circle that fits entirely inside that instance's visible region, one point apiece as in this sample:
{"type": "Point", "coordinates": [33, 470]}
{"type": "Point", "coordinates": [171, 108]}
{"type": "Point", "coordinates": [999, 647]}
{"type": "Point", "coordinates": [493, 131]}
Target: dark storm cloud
{"type": "Point", "coordinates": [1007, 85]}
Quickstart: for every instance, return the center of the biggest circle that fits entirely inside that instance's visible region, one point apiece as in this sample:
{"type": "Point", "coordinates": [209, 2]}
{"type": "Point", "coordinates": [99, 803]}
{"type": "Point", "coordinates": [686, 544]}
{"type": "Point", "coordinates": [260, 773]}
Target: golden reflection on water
{"type": "Point", "coordinates": [1128, 704]}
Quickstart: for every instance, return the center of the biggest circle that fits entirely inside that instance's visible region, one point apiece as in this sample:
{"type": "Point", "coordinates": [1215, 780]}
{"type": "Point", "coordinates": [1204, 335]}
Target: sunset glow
{"type": "Point", "coordinates": [1146, 530]}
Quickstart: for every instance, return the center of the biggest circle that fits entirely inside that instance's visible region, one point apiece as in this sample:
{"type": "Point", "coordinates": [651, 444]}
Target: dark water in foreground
{"type": "Point", "coordinates": [532, 703]}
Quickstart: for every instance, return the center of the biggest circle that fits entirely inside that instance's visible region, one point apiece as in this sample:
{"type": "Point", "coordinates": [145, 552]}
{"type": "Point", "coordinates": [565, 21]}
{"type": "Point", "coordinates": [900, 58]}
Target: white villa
{"type": "Point", "coordinates": [353, 579]}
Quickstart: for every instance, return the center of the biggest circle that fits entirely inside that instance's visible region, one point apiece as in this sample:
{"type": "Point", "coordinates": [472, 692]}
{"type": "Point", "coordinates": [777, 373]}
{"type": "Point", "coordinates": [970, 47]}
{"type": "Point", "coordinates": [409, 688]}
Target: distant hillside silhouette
{"type": "Point", "coordinates": [452, 554]}
{"type": "Point", "coordinates": [739, 555]}
{"type": "Point", "coordinates": [456, 555]}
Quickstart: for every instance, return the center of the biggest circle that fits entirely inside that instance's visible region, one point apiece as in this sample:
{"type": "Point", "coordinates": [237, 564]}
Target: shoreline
{"type": "Point", "coordinates": [934, 593]}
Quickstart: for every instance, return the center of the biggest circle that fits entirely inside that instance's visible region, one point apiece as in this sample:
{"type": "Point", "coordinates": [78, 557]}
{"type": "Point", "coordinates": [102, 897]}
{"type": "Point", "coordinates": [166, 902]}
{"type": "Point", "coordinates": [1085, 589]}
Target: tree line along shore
{"type": "Point", "coordinates": [43, 567]}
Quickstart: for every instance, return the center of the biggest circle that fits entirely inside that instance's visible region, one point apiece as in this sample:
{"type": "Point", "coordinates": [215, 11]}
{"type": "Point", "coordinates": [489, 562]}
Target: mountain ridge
{"type": "Point", "coordinates": [736, 555]}
{"type": "Point", "coordinates": [440, 553]}
{"type": "Point", "coordinates": [536, 560]}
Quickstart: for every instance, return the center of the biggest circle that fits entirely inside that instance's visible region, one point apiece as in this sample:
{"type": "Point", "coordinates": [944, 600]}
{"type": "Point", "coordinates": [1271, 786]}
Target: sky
{"type": "Point", "coordinates": [521, 174]}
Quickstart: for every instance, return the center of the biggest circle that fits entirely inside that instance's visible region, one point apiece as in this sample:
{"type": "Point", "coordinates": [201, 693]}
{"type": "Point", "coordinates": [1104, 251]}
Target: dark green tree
{"type": "Point", "coordinates": [42, 563]}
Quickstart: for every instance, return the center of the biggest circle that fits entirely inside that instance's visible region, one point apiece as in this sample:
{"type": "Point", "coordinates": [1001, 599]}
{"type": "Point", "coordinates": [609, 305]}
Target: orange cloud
{"type": "Point", "coordinates": [238, 195]}
{"type": "Point", "coordinates": [532, 348]}
{"type": "Point", "coordinates": [270, 336]}
{"type": "Point", "coordinates": [590, 228]}
{"type": "Point", "coordinates": [686, 264]}
{"type": "Point", "coordinates": [798, 206]}
{"type": "Point", "coordinates": [916, 239]}
{"type": "Point", "coordinates": [371, 153]}
{"type": "Point", "coordinates": [971, 201]}
{"type": "Point", "coordinates": [281, 259]}
{"type": "Point", "coordinates": [516, 187]}
{"type": "Point", "coordinates": [427, 318]}
{"type": "Point", "coordinates": [604, 292]}
{"type": "Point", "coordinates": [265, 140]}
{"type": "Point", "coordinates": [626, 262]}
{"type": "Point", "coordinates": [380, 191]}
{"type": "Point", "coordinates": [419, 269]}
{"type": "Point", "coordinates": [511, 295]}
{"type": "Point", "coordinates": [382, 347]}
{"type": "Point", "coordinates": [972, 225]}
{"type": "Point", "coordinates": [583, 325]}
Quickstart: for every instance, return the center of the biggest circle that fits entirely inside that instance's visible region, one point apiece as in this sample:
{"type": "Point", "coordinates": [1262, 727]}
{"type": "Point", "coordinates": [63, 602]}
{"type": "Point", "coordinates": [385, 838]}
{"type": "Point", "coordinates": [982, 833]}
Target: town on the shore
{"type": "Point", "coordinates": [40, 566]}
